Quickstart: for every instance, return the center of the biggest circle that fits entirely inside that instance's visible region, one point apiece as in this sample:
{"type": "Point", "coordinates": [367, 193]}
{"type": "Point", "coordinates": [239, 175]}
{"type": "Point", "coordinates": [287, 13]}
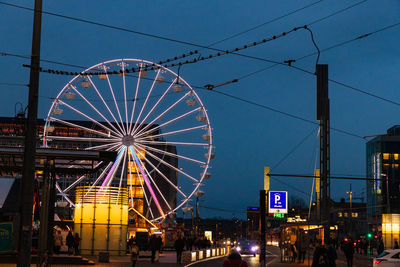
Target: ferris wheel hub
{"type": "Point", "coordinates": [128, 140]}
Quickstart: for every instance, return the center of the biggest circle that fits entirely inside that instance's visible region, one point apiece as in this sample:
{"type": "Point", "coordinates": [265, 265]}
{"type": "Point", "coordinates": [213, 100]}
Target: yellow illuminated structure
{"type": "Point", "coordinates": [390, 229]}
{"type": "Point", "coordinates": [101, 219]}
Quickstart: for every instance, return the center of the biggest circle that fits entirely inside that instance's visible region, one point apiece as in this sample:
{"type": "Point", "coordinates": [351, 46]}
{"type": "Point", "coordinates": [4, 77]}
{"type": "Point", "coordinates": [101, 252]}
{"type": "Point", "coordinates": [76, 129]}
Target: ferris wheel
{"type": "Point", "coordinates": [154, 121]}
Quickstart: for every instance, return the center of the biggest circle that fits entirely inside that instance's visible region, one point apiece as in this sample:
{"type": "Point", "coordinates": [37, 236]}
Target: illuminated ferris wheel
{"type": "Point", "coordinates": [151, 117]}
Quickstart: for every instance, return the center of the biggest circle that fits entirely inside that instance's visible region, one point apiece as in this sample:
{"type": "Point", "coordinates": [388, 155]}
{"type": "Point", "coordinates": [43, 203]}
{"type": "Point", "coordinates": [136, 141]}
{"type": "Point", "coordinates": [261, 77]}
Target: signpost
{"type": "Point", "coordinates": [278, 202]}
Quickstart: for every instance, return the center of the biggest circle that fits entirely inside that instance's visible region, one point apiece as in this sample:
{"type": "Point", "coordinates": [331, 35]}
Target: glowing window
{"type": "Point", "coordinates": [396, 156]}
{"type": "Point", "coordinates": [386, 156]}
{"type": "Point", "coordinates": [354, 214]}
{"type": "Point", "coordinates": [340, 214]}
{"type": "Point", "coordinates": [346, 214]}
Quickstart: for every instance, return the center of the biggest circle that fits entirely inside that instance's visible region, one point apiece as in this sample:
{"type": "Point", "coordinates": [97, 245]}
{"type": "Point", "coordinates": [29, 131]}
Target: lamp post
{"type": "Point", "coordinates": [198, 194]}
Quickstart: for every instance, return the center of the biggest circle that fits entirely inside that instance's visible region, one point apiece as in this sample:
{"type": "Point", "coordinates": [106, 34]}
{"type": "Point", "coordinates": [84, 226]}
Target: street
{"type": "Point", "coordinates": [273, 260]}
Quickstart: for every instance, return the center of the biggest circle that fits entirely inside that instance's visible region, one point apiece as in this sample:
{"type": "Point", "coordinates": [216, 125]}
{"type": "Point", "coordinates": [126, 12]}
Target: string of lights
{"type": "Point", "coordinates": [153, 66]}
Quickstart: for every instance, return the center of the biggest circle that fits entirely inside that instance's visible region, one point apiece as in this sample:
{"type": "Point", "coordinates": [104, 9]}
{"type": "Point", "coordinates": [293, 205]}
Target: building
{"type": "Point", "coordinates": [12, 135]}
{"type": "Point", "coordinates": [383, 186]}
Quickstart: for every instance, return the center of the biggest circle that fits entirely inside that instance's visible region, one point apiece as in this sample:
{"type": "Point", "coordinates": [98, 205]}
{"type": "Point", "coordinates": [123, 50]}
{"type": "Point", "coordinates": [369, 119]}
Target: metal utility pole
{"type": "Point", "coordinates": [323, 116]}
{"type": "Point", "coordinates": [26, 198]}
{"type": "Point", "coordinates": [262, 226]}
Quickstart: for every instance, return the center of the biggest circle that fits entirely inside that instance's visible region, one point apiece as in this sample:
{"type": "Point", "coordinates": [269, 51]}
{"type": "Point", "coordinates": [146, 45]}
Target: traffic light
{"type": "Point", "coordinates": [369, 235]}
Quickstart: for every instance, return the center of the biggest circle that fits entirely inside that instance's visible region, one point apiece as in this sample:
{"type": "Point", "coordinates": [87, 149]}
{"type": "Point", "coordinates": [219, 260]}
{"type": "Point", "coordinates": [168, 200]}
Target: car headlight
{"type": "Point", "coordinates": [254, 248]}
{"type": "Point", "coordinates": [238, 248]}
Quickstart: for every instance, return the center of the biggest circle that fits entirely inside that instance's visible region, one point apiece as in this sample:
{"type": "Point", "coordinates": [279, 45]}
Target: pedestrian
{"type": "Point", "coordinates": [179, 245]}
{"type": "Point", "coordinates": [58, 240]}
{"type": "Point", "coordinates": [348, 250]}
{"type": "Point", "coordinates": [70, 242]}
{"type": "Point", "coordinates": [153, 247]}
{"type": "Point", "coordinates": [332, 255]}
{"type": "Point", "coordinates": [234, 260]}
{"type": "Point", "coordinates": [158, 249]}
{"type": "Point", "coordinates": [134, 250]}
{"type": "Point", "coordinates": [77, 241]}
{"type": "Point", "coordinates": [381, 246]}
{"type": "Point", "coordinates": [396, 244]}
{"type": "Point", "coordinates": [320, 257]}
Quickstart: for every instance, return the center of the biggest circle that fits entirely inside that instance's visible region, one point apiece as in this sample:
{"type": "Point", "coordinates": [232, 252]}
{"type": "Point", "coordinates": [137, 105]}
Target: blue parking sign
{"type": "Point", "coordinates": [277, 201]}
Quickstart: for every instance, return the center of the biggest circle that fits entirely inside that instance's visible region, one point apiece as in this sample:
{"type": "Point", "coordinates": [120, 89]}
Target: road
{"type": "Point", "coordinates": [273, 260]}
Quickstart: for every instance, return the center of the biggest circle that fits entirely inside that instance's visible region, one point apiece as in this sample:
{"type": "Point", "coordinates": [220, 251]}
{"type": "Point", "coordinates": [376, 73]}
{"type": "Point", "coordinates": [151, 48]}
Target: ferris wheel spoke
{"type": "Point", "coordinates": [144, 191]}
{"type": "Point", "coordinates": [135, 99]}
{"type": "Point", "coordinates": [74, 183]}
{"type": "Point", "coordinates": [114, 147]}
{"type": "Point", "coordinates": [99, 178]}
{"type": "Point", "coordinates": [139, 134]}
{"type": "Point", "coordinates": [113, 95]}
{"type": "Point", "coordinates": [166, 179]}
{"type": "Point", "coordinates": [90, 118]}
{"type": "Point", "coordinates": [105, 103]}
{"type": "Point", "coordinates": [163, 113]}
{"type": "Point", "coordinates": [103, 146]}
{"type": "Point", "coordinates": [114, 167]}
{"type": "Point", "coordinates": [80, 127]}
{"type": "Point", "coordinates": [136, 126]}
{"type": "Point", "coordinates": [94, 108]}
{"type": "Point", "coordinates": [145, 195]}
{"type": "Point", "coordinates": [147, 182]}
{"type": "Point", "coordinates": [170, 154]}
{"type": "Point", "coordinates": [87, 139]}
{"type": "Point", "coordinates": [172, 167]}
{"type": "Point", "coordinates": [156, 104]}
{"type": "Point", "coordinates": [64, 195]}
{"type": "Point", "coordinates": [174, 132]}
{"type": "Point", "coordinates": [122, 175]}
{"type": "Point", "coordinates": [126, 104]}
{"type": "Point", "coordinates": [155, 185]}
{"type": "Point", "coordinates": [173, 143]}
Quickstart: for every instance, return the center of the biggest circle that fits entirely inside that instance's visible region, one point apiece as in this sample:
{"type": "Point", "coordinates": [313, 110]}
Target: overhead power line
{"type": "Point", "coordinates": [265, 23]}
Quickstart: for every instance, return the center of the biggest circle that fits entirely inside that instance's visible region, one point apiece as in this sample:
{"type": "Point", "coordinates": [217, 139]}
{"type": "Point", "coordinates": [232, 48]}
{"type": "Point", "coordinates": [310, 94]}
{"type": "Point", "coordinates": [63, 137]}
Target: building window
{"type": "Point", "coordinates": [340, 214]}
{"type": "Point", "coordinates": [346, 214]}
{"type": "Point", "coordinates": [396, 156]}
{"type": "Point", "coordinates": [386, 156]}
{"type": "Point", "coordinates": [354, 214]}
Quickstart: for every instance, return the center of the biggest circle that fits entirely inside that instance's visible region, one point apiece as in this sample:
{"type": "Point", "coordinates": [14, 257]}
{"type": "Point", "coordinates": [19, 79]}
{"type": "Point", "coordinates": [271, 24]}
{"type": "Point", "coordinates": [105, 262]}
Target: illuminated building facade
{"type": "Point", "coordinates": [383, 190]}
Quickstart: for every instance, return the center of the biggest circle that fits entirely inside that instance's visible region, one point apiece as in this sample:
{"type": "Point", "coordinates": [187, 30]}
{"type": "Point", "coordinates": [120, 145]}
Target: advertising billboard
{"type": "Point", "coordinates": [277, 201]}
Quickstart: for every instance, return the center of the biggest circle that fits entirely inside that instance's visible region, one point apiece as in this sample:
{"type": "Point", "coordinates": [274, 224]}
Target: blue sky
{"type": "Point", "coordinates": [246, 137]}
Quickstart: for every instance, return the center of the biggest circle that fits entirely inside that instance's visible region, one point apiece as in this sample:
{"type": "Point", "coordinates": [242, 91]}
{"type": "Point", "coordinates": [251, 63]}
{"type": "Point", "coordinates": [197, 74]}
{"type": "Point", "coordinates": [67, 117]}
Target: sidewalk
{"type": "Point", "coordinates": [167, 258]}
{"type": "Point", "coordinates": [358, 261]}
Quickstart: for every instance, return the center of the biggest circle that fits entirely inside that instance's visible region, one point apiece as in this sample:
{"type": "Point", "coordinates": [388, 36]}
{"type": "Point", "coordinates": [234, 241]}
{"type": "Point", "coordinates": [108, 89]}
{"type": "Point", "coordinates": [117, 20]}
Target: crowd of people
{"type": "Point", "coordinates": [72, 242]}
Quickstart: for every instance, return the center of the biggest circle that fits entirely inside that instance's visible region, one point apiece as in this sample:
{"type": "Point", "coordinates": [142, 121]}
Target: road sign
{"type": "Point", "coordinates": [279, 215]}
{"type": "Point", "coordinates": [278, 201]}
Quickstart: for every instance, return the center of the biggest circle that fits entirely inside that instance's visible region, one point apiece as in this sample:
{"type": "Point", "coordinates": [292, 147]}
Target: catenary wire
{"type": "Point", "coordinates": [293, 149]}
{"type": "Point", "coordinates": [265, 23]}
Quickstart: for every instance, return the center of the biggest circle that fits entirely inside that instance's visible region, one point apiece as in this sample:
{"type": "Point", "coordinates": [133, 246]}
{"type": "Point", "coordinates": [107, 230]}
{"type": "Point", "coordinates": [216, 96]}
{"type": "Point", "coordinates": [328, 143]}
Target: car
{"type": "Point", "coordinates": [247, 247]}
{"type": "Point", "coordinates": [388, 258]}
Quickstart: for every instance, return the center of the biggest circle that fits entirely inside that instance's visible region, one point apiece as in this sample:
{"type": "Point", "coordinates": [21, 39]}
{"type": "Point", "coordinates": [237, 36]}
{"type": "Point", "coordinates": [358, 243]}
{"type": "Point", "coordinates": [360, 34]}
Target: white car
{"type": "Point", "coordinates": [388, 258]}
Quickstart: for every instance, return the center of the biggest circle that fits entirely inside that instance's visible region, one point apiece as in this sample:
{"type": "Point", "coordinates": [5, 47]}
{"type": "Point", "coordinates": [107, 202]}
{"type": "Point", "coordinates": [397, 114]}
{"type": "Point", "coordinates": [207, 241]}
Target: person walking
{"type": "Point", "coordinates": [348, 250]}
{"type": "Point", "coordinates": [320, 257]}
{"type": "Point", "coordinates": [396, 244]}
{"type": "Point", "coordinates": [77, 241]}
{"type": "Point", "coordinates": [381, 247]}
{"type": "Point", "coordinates": [70, 242]}
{"type": "Point", "coordinates": [332, 255]}
{"type": "Point", "coordinates": [234, 260]}
{"type": "Point", "coordinates": [158, 248]}
{"type": "Point", "coordinates": [134, 250]}
{"type": "Point", "coordinates": [153, 247]}
{"type": "Point", "coordinates": [58, 240]}
{"type": "Point", "coordinates": [179, 245]}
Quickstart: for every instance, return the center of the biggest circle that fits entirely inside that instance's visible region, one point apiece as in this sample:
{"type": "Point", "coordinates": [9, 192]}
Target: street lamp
{"type": "Point", "coordinates": [198, 194]}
